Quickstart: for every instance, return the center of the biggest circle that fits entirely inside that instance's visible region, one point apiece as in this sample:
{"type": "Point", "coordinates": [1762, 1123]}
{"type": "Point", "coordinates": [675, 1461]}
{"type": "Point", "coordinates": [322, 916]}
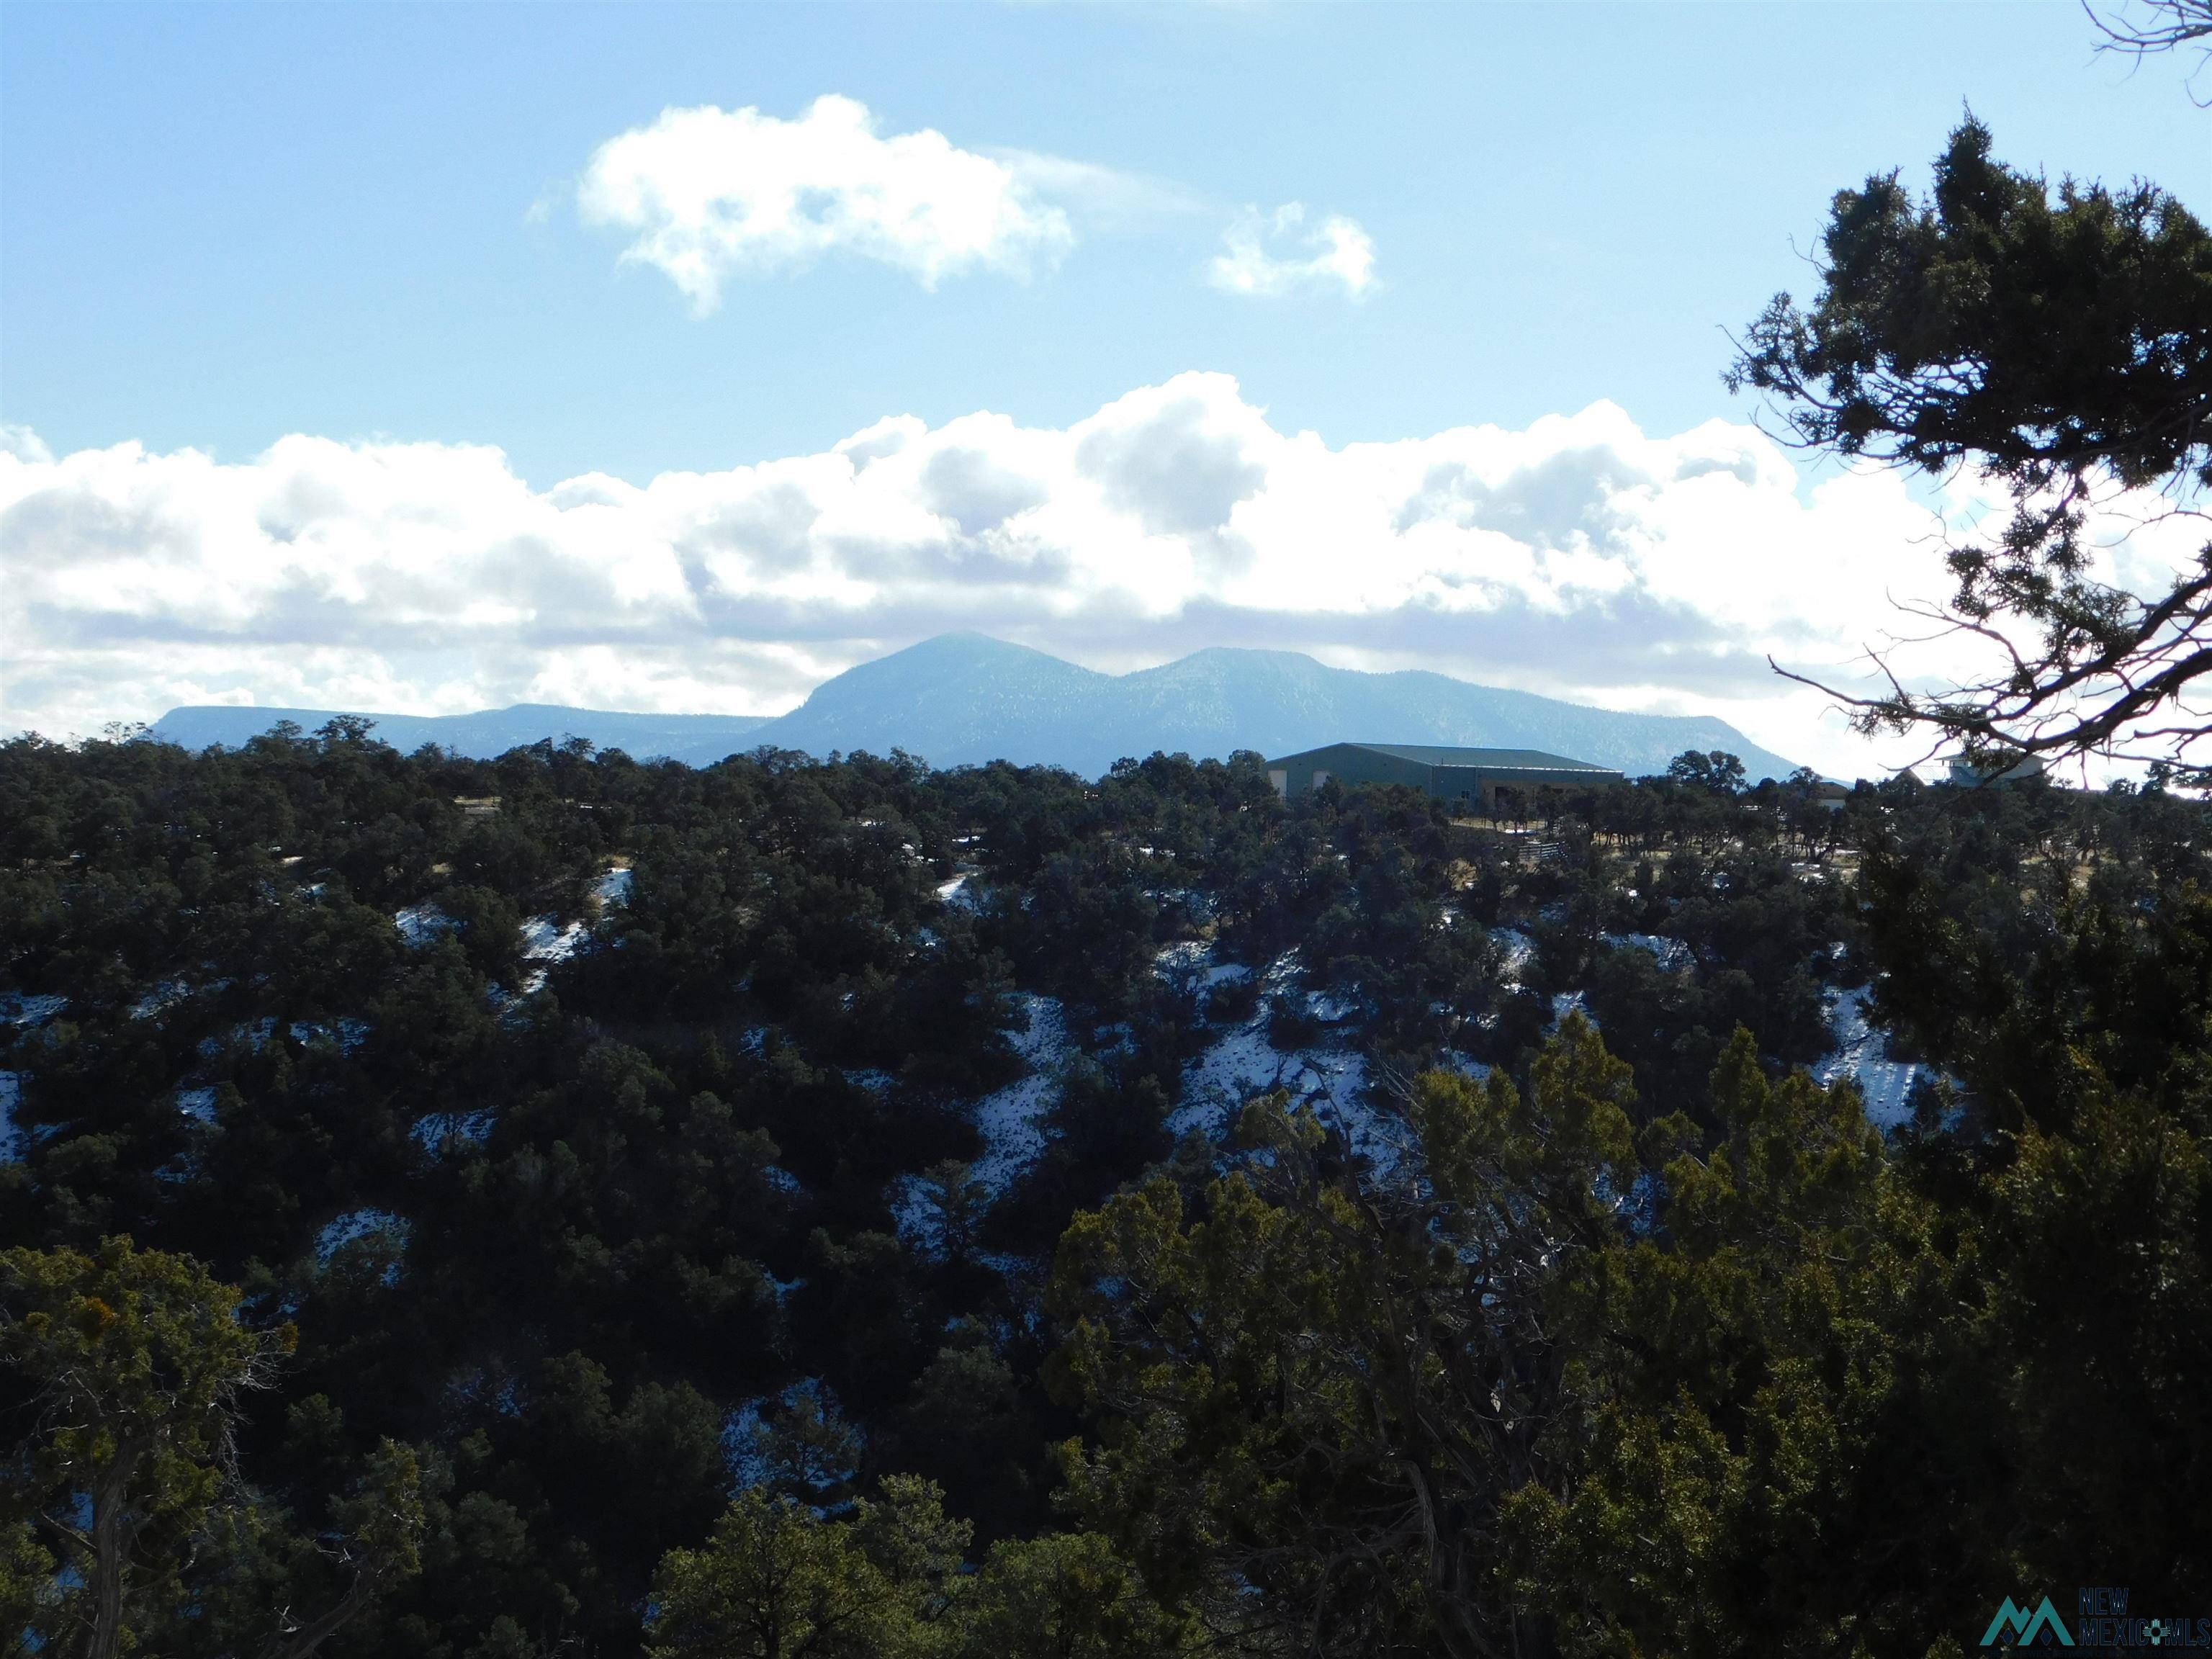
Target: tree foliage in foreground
{"type": "Point", "coordinates": [1549, 1383]}
{"type": "Point", "coordinates": [2059, 341]}
{"type": "Point", "coordinates": [127, 1369]}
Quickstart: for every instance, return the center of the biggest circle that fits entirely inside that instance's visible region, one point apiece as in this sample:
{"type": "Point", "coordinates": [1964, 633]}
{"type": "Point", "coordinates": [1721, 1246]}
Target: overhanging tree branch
{"type": "Point", "coordinates": [2059, 343]}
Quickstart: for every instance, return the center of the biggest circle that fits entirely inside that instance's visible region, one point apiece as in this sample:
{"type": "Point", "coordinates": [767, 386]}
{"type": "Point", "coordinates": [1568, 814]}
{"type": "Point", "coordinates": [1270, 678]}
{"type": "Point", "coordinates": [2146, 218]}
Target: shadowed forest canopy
{"type": "Point", "coordinates": [583, 1207]}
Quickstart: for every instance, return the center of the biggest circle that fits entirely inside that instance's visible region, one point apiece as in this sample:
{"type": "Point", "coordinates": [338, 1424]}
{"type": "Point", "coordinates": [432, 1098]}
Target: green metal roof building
{"type": "Point", "coordinates": [1474, 775]}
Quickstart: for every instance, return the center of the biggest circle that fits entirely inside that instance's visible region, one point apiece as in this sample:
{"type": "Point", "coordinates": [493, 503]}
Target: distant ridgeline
{"type": "Point", "coordinates": [697, 739]}
{"type": "Point", "coordinates": [963, 699]}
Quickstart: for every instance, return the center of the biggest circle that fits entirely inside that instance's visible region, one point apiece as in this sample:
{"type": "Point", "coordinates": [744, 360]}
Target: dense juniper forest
{"type": "Point", "coordinates": [565, 1205]}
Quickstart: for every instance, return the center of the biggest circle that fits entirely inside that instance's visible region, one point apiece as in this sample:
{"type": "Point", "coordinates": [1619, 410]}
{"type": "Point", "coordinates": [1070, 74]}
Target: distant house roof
{"type": "Point", "coordinates": [1490, 760]}
{"type": "Point", "coordinates": [2000, 770]}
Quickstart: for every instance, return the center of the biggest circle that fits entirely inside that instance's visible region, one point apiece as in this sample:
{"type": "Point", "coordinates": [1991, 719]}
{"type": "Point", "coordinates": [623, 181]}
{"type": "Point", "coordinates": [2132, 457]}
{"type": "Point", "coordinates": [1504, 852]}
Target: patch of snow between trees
{"type": "Point", "coordinates": [1186, 957]}
{"type": "Point", "coordinates": [1244, 1063]}
{"type": "Point", "coordinates": [1329, 1008]}
{"type": "Point", "coordinates": [441, 1130]}
{"type": "Point", "coordinates": [1516, 951]}
{"type": "Point", "coordinates": [357, 1224]}
{"type": "Point", "coordinates": [1189, 967]}
{"type": "Point", "coordinates": [1671, 954]}
{"type": "Point", "coordinates": [11, 1137]}
{"type": "Point", "coordinates": [421, 924]}
{"type": "Point", "coordinates": [544, 939]}
{"type": "Point", "coordinates": [348, 1034]}
{"type": "Point", "coordinates": [913, 1215]}
{"type": "Point", "coordinates": [29, 1012]}
{"type": "Point", "coordinates": [1008, 1121]}
{"type": "Point", "coordinates": [251, 1035]}
{"type": "Point", "coordinates": [166, 994]}
{"type": "Point", "coordinates": [1861, 1054]}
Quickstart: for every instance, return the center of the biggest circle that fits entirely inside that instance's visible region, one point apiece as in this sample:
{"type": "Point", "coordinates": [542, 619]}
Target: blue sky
{"type": "Point", "coordinates": [360, 227]}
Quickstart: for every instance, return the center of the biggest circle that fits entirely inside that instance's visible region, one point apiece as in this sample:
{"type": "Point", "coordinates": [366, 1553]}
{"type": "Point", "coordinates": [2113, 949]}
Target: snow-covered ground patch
{"type": "Point", "coordinates": [1244, 1063]}
{"type": "Point", "coordinates": [348, 1034]}
{"type": "Point", "coordinates": [440, 1130]}
{"type": "Point", "coordinates": [1671, 954]}
{"type": "Point", "coordinates": [917, 1219]}
{"type": "Point", "coordinates": [872, 1078]}
{"type": "Point", "coordinates": [356, 1224]}
{"type": "Point", "coordinates": [30, 1012]}
{"type": "Point", "coordinates": [545, 939]}
{"type": "Point", "coordinates": [419, 924]}
{"type": "Point", "coordinates": [1281, 976]}
{"type": "Point", "coordinates": [1568, 1002]}
{"type": "Point", "coordinates": [1329, 1008]}
{"type": "Point", "coordinates": [1185, 957]}
{"type": "Point", "coordinates": [743, 1454]}
{"type": "Point", "coordinates": [11, 1137]}
{"type": "Point", "coordinates": [963, 892]}
{"type": "Point", "coordinates": [746, 1431]}
{"type": "Point", "coordinates": [613, 886]}
{"type": "Point", "coordinates": [254, 1034]}
{"type": "Point", "coordinates": [1009, 1120]}
{"type": "Point", "coordinates": [167, 994]}
{"type": "Point", "coordinates": [1197, 905]}
{"type": "Point", "coordinates": [1190, 966]}
{"type": "Point", "coordinates": [1861, 1054]}
{"type": "Point", "coordinates": [198, 1103]}
{"type": "Point", "coordinates": [1515, 951]}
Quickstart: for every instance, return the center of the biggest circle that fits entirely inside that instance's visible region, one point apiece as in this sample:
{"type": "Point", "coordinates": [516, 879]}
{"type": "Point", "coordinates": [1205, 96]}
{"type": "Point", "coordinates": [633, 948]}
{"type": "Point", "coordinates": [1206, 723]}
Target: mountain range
{"type": "Point", "coordinates": [964, 698]}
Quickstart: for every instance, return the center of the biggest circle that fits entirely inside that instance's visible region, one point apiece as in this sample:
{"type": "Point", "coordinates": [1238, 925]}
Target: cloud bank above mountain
{"type": "Point", "coordinates": [1580, 558]}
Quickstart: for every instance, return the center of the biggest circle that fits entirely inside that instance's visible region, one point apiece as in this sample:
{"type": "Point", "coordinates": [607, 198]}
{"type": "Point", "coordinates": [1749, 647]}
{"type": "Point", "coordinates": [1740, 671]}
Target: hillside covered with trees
{"type": "Point", "coordinates": [560, 1205]}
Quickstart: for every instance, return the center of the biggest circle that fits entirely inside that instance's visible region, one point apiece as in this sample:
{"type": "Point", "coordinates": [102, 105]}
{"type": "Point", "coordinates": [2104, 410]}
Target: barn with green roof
{"type": "Point", "coordinates": [1469, 777]}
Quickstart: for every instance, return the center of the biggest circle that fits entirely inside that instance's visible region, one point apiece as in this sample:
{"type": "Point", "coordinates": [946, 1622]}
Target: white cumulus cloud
{"type": "Point", "coordinates": [1335, 254]}
{"type": "Point", "coordinates": [709, 193]}
{"type": "Point", "coordinates": [23, 443]}
{"type": "Point", "coordinates": [1579, 556]}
